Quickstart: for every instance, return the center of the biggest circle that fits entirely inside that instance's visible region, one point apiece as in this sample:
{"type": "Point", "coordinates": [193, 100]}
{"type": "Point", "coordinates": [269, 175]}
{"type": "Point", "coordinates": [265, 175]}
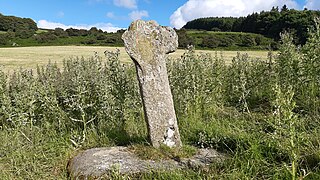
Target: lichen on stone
{"type": "Point", "coordinates": [148, 44]}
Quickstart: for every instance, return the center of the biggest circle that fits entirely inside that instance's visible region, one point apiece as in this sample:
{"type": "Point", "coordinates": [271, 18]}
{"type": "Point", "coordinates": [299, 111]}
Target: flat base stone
{"type": "Point", "coordinates": [99, 162]}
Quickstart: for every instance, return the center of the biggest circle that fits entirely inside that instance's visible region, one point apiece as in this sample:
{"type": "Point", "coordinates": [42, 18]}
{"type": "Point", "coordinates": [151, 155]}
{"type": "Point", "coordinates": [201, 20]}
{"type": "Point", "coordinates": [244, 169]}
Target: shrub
{"type": "Point", "coordinates": [45, 37]}
{"type": "Point", "coordinates": [3, 39]}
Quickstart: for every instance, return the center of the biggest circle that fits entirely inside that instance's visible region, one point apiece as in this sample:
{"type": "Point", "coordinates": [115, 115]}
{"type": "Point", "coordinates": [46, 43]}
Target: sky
{"type": "Point", "coordinates": [112, 15]}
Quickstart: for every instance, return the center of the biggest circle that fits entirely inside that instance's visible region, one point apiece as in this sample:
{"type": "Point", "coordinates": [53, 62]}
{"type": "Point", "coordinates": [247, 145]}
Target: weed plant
{"type": "Point", "coordinates": [263, 114]}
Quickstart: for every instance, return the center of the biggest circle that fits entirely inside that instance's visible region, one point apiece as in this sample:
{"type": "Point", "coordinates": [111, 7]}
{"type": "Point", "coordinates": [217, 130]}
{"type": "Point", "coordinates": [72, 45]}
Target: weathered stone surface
{"type": "Point", "coordinates": [100, 162]}
{"type": "Point", "coordinates": [148, 44]}
{"type": "Point", "coordinates": [202, 159]}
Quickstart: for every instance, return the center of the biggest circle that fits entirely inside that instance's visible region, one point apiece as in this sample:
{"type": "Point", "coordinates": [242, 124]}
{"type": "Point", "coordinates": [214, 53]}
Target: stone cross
{"type": "Point", "coordinates": [148, 44]}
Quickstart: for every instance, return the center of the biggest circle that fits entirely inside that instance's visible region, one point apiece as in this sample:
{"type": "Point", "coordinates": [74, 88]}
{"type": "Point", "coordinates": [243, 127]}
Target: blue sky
{"type": "Point", "coordinates": [111, 15]}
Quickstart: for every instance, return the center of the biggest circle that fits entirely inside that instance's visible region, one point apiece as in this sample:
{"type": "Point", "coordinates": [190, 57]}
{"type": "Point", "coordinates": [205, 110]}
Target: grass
{"type": "Point", "coordinates": [164, 152]}
{"type": "Point", "coordinates": [37, 155]}
{"type": "Point", "coordinates": [263, 114]}
{"type": "Point", "coordinates": [39, 31]}
{"type": "Point", "coordinates": [30, 57]}
{"type": "Point", "coordinates": [3, 32]}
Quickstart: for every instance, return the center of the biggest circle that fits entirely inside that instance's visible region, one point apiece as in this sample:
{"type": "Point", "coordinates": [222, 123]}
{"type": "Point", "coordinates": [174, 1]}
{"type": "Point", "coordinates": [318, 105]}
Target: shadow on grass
{"type": "Point", "coordinates": [122, 138]}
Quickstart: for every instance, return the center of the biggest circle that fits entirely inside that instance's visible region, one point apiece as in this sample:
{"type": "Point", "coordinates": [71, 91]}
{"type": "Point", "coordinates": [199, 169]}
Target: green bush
{"type": "Point", "coordinates": [3, 39]}
{"type": "Point", "coordinates": [45, 37]}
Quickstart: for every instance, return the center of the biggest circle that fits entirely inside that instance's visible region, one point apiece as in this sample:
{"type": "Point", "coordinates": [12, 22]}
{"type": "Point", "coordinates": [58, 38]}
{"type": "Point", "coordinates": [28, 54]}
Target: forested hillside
{"type": "Point", "coordinates": [16, 31]}
{"type": "Point", "coordinates": [16, 26]}
{"type": "Point", "coordinates": [268, 23]}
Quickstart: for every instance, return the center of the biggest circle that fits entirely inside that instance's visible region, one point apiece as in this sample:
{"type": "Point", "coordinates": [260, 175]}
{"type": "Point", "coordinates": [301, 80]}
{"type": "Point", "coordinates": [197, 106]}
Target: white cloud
{"type": "Point", "coordinates": [134, 15]}
{"type": "Point", "coordinates": [223, 8]}
{"type": "Point", "coordinates": [130, 4]}
{"type": "Point", "coordinates": [52, 25]}
{"type": "Point", "coordinates": [313, 4]}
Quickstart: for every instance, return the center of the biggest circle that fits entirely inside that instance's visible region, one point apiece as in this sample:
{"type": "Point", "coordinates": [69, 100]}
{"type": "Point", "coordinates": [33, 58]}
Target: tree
{"type": "Point", "coordinates": [83, 32]}
{"type": "Point", "coordinates": [121, 31]}
{"type": "Point", "coordinates": [45, 37]}
{"type": "Point", "coordinates": [184, 40]}
{"type": "Point", "coordinates": [60, 32]}
{"type": "Point", "coordinates": [22, 27]}
{"type": "Point", "coordinates": [94, 31]}
{"type": "Point", "coordinates": [3, 39]}
{"type": "Point", "coordinates": [101, 36]}
{"type": "Point", "coordinates": [31, 24]}
{"type": "Point", "coordinates": [72, 32]}
{"type": "Point", "coordinates": [268, 23]}
{"type": "Point", "coordinates": [284, 9]}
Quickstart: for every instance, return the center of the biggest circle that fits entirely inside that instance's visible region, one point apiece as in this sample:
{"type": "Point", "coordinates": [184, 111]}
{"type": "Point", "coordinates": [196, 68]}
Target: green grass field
{"type": "Point", "coordinates": [30, 57]}
{"type": "Point", "coordinates": [39, 31]}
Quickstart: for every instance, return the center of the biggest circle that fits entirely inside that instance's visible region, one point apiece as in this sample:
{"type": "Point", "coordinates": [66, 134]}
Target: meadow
{"type": "Point", "coordinates": [262, 113]}
{"type": "Point", "coordinates": [30, 57]}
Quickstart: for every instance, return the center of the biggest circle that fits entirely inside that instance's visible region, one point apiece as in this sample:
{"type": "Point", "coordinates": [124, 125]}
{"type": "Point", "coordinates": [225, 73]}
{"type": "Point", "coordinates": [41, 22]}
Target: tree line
{"type": "Point", "coordinates": [268, 23]}
{"type": "Point", "coordinates": [24, 31]}
{"type": "Point", "coordinates": [89, 37]}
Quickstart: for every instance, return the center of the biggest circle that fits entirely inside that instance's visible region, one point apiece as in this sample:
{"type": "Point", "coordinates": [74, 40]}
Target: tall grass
{"type": "Point", "coordinates": [263, 113]}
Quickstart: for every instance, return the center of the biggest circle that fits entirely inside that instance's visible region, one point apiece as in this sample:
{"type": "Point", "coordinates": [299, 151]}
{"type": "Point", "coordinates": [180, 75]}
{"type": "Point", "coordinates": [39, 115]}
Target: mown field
{"type": "Point", "coordinates": [30, 57]}
{"type": "Point", "coordinates": [263, 114]}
